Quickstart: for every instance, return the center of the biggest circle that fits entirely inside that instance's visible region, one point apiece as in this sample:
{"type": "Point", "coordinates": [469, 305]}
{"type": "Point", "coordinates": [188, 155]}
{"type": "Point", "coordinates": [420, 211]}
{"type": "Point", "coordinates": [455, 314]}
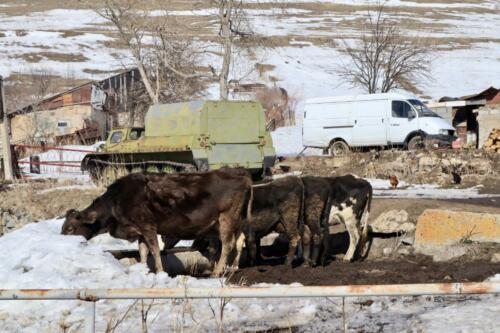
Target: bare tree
{"type": "Point", "coordinates": [166, 62]}
{"type": "Point", "coordinates": [384, 59]}
{"type": "Point", "coordinates": [169, 53]}
{"type": "Point", "coordinates": [233, 26]}
{"type": "Point", "coordinates": [38, 83]}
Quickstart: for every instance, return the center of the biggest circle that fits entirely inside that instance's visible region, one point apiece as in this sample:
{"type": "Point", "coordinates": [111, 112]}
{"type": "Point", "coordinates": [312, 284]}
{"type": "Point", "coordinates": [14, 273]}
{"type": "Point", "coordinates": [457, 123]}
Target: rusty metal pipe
{"type": "Point", "coordinates": [255, 292]}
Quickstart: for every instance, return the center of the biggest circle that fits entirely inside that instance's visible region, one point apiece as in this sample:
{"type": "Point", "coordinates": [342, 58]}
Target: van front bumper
{"type": "Point", "coordinates": [439, 140]}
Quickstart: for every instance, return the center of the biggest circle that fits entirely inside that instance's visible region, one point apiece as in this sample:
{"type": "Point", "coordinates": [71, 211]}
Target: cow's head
{"type": "Point", "coordinates": [79, 223]}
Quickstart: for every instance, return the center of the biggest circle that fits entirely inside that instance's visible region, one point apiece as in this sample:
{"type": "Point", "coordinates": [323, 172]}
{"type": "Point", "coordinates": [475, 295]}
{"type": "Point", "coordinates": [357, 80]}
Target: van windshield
{"type": "Point", "coordinates": [422, 109]}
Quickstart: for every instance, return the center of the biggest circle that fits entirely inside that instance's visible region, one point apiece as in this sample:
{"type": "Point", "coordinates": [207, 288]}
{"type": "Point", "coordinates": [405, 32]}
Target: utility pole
{"type": "Point", "coordinates": [5, 126]}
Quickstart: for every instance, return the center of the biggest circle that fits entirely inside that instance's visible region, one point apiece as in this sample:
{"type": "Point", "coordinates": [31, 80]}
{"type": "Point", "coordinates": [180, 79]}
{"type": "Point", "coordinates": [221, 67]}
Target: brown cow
{"type": "Point", "coordinates": [141, 206]}
{"type": "Point", "coordinates": [276, 206]}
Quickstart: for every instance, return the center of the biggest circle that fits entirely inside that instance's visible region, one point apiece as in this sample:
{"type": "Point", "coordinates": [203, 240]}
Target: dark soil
{"type": "Point", "coordinates": [415, 269]}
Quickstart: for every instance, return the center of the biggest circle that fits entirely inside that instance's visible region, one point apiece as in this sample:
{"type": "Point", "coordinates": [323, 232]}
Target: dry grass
{"type": "Point", "coordinates": [53, 56]}
{"type": "Point", "coordinates": [33, 201]}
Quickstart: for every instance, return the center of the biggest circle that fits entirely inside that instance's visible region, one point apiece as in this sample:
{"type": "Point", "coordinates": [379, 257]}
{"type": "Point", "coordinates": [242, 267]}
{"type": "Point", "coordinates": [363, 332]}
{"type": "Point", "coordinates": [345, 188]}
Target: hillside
{"type": "Point", "coordinates": [306, 39]}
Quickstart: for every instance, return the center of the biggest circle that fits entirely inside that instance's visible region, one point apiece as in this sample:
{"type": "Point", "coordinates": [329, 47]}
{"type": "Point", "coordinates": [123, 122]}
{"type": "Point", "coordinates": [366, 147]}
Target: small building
{"type": "Point", "coordinates": [61, 115]}
{"type": "Point", "coordinates": [278, 106]}
{"type": "Point", "coordinates": [464, 113]}
{"type": "Point", "coordinates": [83, 114]}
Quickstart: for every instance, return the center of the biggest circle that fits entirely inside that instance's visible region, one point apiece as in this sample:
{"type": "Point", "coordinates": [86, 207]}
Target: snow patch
{"type": "Point", "coordinates": [37, 256]}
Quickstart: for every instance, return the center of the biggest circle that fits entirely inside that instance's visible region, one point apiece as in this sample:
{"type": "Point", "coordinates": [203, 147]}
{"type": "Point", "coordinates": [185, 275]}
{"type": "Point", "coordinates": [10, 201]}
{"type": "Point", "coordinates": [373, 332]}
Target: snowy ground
{"type": "Point", "coordinates": [50, 260]}
{"type": "Point", "coordinates": [382, 188]}
{"type": "Point", "coordinates": [465, 32]}
{"type": "Point", "coordinates": [36, 256]}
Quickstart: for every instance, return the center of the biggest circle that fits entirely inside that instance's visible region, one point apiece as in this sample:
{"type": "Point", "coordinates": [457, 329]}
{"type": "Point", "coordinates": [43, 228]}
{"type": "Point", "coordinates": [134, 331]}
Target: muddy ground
{"type": "Point", "coordinates": [411, 269]}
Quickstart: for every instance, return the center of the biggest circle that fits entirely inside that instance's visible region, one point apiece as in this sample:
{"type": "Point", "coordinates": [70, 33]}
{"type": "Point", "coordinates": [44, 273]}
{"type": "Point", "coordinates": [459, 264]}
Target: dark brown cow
{"type": "Point", "coordinates": [277, 206]}
{"type": "Point", "coordinates": [183, 206]}
{"type": "Point", "coordinates": [316, 206]}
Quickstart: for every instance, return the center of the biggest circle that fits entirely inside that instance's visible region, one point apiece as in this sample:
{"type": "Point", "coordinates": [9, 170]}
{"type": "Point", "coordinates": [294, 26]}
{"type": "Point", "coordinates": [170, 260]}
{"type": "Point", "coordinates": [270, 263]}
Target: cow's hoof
{"type": "Point", "coordinates": [347, 259]}
{"type": "Point", "coordinates": [217, 273]}
{"type": "Point", "coordinates": [307, 263]}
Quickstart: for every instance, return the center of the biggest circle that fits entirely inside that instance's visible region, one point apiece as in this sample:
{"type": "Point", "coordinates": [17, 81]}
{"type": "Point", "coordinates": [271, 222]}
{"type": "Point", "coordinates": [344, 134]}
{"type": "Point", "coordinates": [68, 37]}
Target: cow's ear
{"type": "Point", "coordinates": [72, 213]}
{"type": "Point", "coordinates": [90, 217]}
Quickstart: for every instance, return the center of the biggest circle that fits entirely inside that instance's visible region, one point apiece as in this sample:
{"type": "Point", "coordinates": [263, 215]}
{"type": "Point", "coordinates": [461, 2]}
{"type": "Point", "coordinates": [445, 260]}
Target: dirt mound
{"type": "Point", "coordinates": [446, 168]}
{"type": "Point", "coordinates": [23, 203]}
{"type": "Point", "coordinates": [415, 269]}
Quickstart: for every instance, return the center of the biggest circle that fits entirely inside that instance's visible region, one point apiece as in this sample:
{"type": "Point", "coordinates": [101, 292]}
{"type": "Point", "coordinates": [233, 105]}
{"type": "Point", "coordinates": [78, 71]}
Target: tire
{"type": "Point", "coordinates": [338, 148]}
{"type": "Point", "coordinates": [415, 143]}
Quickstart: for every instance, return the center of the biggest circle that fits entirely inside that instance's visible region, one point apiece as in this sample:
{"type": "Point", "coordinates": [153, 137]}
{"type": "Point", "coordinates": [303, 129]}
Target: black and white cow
{"type": "Point", "coordinates": [350, 201]}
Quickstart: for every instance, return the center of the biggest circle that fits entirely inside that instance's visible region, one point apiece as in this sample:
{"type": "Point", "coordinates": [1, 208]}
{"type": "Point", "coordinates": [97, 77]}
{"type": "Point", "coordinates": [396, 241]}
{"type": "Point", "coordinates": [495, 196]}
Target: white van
{"type": "Point", "coordinates": [337, 123]}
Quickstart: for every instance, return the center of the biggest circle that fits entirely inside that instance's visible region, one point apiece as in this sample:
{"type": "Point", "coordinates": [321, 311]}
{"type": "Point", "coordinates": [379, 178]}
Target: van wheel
{"type": "Point", "coordinates": [415, 143]}
{"type": "Point", "coordinates": [339, 148]}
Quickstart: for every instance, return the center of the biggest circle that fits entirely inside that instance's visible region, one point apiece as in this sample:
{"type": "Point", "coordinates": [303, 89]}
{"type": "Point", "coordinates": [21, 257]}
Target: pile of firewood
{"type": "Point", "coordinates": [493, 142]}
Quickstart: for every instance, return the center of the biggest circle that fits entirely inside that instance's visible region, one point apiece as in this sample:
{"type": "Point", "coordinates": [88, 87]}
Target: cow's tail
{"type": "Point", "coordinates": [249, 205]}
{"type": "Point", "coordinates": [364, 222]}
{"type": "Point", "coordinates": [302, 219]}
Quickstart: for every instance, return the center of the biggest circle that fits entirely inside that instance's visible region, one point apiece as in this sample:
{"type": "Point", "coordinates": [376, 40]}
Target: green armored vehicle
{"type": "Point", "coordinates": [190, 136]}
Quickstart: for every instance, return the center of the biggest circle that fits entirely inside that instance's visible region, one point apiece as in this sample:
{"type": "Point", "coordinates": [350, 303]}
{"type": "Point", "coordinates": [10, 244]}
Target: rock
{"type": "Point", "coordinates": [427, 163]}
{"type": "Point", "coordinates": [392, 221]}
{"type": "Point", "coordinates": [408, 238]}
{"type": "Point", "coordinates": [396, 167]}
{"type": "Point", "coordinates": [496, 258]}
{"type": "Point", "coordinates": [9, 221]}
{"type": "Point", "coordinates": [387, 251]}
{"type": "Point", "coordinates": [438, 227]}
{"type": "Point", "coordinates": [479, 166]}
{"type": "Point", "coordinates": [128, 261]}
{"type": "Point", "coordinates": [445, 253]}
{"type": "Point", "coordinates": [404, 251]}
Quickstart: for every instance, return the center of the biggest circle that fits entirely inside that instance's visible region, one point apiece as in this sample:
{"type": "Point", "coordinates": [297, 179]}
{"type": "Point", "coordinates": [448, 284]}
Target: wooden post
{"type": "Point", "coordinates": [5, 125]}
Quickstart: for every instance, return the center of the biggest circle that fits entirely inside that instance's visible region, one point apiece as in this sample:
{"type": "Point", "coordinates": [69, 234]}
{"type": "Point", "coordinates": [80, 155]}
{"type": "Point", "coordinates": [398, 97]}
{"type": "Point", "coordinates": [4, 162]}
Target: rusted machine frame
{"type": "Point", "coordinates": [255, 292]}
{"type": "Point", "coordinates": [91, 296]}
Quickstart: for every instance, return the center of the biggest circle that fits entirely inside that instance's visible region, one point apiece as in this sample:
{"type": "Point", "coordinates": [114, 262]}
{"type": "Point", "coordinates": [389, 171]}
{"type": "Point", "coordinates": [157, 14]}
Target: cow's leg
{"type": "Point", "coordinates": [334, 216]}
{"type": "Point", "coordinates": [316, 240]}
{"type": "Point", "coordinates": [169, 243]}
{"type": "Point", "coordinates": [240, 240]}
{"type": "Point", "coordinates": [294, 239]}
{"type": "Point", "coordinates": [352, 226]}
{"type": "Point", "coordinates": [316, 212]}
{"type": "Point", "coordinates": [306, 245]}
{"type": "Point", "coordinates": [324, 248]}
{"type": "Point", "coordinates": [250, 246]}
{"type": "Point", "coordinates": [316, 246]}
{"type": "Point", "coordinates": [258, 252]}
{"type": "Point", "coordinates": [151, 239]}
{"type": "Point", "coordinates": [227, 238]}
{"type": "Point", "coordinates": [143, 251]}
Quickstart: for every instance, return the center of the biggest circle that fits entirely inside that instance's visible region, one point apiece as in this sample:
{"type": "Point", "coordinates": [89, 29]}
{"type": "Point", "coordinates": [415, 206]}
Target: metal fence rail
{"type": "Point", "coordinates": [91, 296]}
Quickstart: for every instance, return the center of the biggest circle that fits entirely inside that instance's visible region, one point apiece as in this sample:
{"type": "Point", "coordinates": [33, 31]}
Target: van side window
{"type": "Point", "coordinates": [116, 137]}
{"type": "Point", "coordinates": [400, 109]}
